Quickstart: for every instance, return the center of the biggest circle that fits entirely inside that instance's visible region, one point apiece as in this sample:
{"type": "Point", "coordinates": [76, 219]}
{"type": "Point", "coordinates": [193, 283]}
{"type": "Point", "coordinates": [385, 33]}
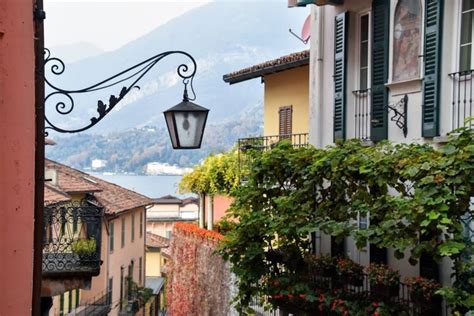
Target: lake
{"type": "Point", "coordinates": [151, 186]}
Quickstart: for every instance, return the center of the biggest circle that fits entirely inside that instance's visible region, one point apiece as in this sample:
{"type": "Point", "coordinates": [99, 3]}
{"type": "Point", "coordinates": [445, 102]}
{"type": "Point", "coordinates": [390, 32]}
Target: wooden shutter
{"type": "Point", "coordinates": [286, 118]}
{"type": "Point", "coordinates": [340, 57]}
{"type": "Point", "coordinates": [379, 100]}
{"type": "Point", "coordinates": [432, 64]}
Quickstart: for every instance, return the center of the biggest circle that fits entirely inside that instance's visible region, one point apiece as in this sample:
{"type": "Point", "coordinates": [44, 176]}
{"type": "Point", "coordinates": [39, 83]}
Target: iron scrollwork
{"type": "Point", "coordinates": [400, 114]}
{"type": "Point", "coordinates": [132, 75]}
{"type": "Point", "coordinates": [66, 226]}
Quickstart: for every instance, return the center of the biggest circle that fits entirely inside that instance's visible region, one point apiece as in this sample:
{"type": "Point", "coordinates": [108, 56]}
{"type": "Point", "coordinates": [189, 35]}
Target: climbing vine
{"type": "Point", "coordinates": [217, 174]}
{"type": "Point", "coordinates": [416, 196]}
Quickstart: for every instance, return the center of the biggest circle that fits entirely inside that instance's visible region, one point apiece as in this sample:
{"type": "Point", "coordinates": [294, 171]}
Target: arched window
{"type": "Point", "coordinates": [406, 40]}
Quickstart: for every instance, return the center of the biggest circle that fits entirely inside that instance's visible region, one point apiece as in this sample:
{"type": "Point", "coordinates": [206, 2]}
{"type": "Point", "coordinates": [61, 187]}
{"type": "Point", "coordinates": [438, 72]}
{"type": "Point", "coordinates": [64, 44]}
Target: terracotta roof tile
{"type": "Point", "coordinates": [53, 195]}
{"type": "Point", "coordinates": [154, 240]}
{"type": "Point", "coordinates": [114, 198]}
{"type": "Point", "coordinates": [271, 66]}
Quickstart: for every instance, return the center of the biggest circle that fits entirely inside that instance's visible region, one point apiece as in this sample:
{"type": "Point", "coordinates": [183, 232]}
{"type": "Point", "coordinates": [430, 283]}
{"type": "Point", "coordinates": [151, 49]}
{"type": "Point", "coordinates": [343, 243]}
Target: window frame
{"type": "Point", "coordinates": [358, 51]}
{"type": "Point", "coordinates": [111, 236]}
{"type": "Point", "coordinates": [123, 233]}
{"type": "Point", "coordinates": [459, 11]}
{"type": "Point", "coordinates": [132, 233]}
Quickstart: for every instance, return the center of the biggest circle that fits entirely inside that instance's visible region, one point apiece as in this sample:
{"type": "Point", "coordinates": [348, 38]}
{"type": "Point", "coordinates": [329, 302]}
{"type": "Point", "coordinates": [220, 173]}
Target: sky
{"type": "Point", "coordinates": [108, 24]}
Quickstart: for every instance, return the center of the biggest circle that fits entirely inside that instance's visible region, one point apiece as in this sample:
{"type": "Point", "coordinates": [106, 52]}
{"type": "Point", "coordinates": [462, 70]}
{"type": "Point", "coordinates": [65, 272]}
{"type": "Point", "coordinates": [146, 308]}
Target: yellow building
{"type": "Point", "coordinates": [286, 95]}
{"type": "Point", "coordinates": [156, 258]}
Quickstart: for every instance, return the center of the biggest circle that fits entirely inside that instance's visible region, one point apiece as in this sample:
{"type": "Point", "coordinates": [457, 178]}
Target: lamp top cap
{"type": "Point", "coordinates": [187, 106]}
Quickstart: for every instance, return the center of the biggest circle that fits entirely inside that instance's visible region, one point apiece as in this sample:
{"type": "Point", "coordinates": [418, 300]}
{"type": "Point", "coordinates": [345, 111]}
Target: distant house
{"type": "Point", "coordinates": [122, 244]}
{"type": "Point", "coordinates": [167, 210]}
{"type": "Point", "coordinates": [156, 258]}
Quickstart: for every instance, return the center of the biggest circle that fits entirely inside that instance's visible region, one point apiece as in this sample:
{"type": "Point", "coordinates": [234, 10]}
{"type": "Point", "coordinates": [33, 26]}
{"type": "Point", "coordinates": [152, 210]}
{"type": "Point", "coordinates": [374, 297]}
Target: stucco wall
{"type": "Point", "coordinates": [321, 109]}
{"type": "Point", "coordinates": [17, 158]}
{"type": "Point", "coordinates": [153, 262]}
{"type": "Point", "coordinates": [289, 87]}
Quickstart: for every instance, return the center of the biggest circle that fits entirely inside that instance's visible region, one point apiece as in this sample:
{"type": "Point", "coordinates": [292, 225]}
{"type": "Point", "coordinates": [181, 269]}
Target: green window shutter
{"type": "Point", "coordinates": [380, 36]}
{"type": "Point", "coordinates": [432, 64]}
{"type": "Point", "coordinates": [340, 57]}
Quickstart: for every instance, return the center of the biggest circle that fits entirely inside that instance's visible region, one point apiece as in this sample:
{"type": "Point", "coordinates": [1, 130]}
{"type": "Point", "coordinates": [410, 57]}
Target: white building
{"type": "Point", "coordinates": [370, 58]}
{"type": "Point", "coordinates": [98, 164]}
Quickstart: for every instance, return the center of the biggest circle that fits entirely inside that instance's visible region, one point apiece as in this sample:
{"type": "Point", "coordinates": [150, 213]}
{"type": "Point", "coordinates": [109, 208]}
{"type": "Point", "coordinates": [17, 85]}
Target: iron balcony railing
{"type": "Point", "coordinates": [362, 117]}
{"type": "Point", "coordinates": [461, 100]}
{"type": "Point", "coordinates": [72, 239]}
{"type": "Point", "coordinates": [268, 142]}
{"type": "Point", "coordinates": [247, 147]}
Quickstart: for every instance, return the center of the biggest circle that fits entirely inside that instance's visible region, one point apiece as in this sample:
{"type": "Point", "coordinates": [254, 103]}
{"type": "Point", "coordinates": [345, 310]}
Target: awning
{"type": "Point", "coordinates": [155, 284]}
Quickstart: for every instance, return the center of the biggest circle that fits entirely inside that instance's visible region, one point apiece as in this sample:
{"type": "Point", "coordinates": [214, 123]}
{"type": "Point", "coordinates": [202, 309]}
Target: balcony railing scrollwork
{"type": "Point", "coordinates": [72, 238]}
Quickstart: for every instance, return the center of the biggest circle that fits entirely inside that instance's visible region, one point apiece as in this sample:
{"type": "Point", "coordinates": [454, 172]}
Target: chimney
{"type": "Point", "coordinates": [51, 176]}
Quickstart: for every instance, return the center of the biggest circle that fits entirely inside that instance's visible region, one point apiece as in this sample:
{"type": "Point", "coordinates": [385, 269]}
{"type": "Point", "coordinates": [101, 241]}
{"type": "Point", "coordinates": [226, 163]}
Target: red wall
{"type": "Point", "coordinates": [17, 155]}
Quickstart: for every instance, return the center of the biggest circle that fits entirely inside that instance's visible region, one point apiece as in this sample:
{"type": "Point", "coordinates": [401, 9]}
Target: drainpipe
{"type": "Point", "coordinates": [316, 79]}
{"type": "Point", "coordinates": [36, 307]}
{"type": "Point", "coordinates": [202, 196]}
{"type": "Point", "coordinates": [210, 212]}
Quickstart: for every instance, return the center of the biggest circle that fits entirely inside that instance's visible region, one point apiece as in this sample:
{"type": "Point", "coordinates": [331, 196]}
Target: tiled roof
{"type": "Point", "coordinates": [157, 241]}
{"type": "Point", "coordinates": [190, 200]}
{"type": "Point", "coordinates": [114, 198]}
{"type": "Point", "coordinates": [166, 252]}
{"type": "Point", "coordinates": [53, 195]}
{"type": "Point", "coordinates": [167, 199]}
{"type": "Point", "coordinates": [275, 65]}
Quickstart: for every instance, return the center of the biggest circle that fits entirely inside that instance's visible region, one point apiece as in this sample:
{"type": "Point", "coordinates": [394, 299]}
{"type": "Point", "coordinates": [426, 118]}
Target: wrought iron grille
{"type": "Point", "coordinates": [461, 101]}
{"type": "Point", "coordinates": [72, 238]}
{"type": "Point", "coordinates": [362, 115]}
{"type": "Point", "coordinates": [99, 306]}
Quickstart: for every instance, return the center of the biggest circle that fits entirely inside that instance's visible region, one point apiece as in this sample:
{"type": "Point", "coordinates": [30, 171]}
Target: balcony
{"type": "Point", "coordinates": [267, 142]}
{"type": "Point", "coordinates": [250, 146]}
{"type": "Point", "coordinates": [72, 239]}
{"type": "Point", "coordinates": [462, 98]}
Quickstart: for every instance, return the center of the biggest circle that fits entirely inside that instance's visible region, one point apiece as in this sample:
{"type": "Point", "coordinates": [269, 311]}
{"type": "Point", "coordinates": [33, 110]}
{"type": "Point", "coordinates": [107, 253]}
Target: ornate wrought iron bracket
{"type": "Point", "coordinates": [400, 114]}
{"type": "Point", "coordinates": [65, 105]}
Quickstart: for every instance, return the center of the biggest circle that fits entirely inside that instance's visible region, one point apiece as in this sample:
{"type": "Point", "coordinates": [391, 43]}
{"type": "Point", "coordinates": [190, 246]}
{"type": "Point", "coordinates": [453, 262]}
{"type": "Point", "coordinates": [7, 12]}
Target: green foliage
{"type": "Point", "coordinates": [84, 247]}
{"type": "Point", "coordinates": [217, 174]}
{"type": "Point", "coordinates": [416, 196]}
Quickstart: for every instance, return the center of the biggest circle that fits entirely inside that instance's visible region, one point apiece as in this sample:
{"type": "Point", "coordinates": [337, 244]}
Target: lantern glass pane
{"type": "Point", "coordinates": [190, 126]}
{"type": "Point", "coordinates": [171, 129]}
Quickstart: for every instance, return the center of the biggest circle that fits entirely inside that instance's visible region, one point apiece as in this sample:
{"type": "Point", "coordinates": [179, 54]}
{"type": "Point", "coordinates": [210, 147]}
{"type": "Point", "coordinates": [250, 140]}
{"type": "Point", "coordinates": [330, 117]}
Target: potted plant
{"type": "Point", "coordinates": [84, 248]}
{"type": "Point", "coordinates": [384, 281]}
{"type": "Point", "coordinates": [422, 290]}
{"type": "Point", "coordinates": [349, 271]}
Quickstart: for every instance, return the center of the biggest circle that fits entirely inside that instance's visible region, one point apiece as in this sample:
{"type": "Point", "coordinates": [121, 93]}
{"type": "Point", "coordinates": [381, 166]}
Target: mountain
{"type": "Point", "coordinates": [223, 36]}
{"type": "Point", "coordinates": [71, 53]}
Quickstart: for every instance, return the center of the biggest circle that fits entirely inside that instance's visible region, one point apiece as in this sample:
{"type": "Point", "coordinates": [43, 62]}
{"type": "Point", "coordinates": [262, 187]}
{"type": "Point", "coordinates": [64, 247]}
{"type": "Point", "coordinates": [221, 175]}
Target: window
{"type": "Point", "coordinates": [77, 298]}
{"type": "Point", "coordinates": [140, 270]}
{"type": "Point", "coordinates": [141, 224]}
{"type": "Point", "coordinates": [133, 227]}
{"type": "Point", "coordinates": [285, 124]}
{"type": "Point", "coordinates": [466, 52]}
{"type": "Point", "coordinates": [110, 287]}
{"type": "Point", "coordinates": [168, 234]}
{"type": "Point", "coordinates": [123, 232]}
{"type": "Point", "coordinates": [364, 52]}
{"type": "Point", "coordinates": [406, 40]}
{"type": "Point", "coordinates": [121, 286]}
{"type": "Point", "coordinates": [111, 237]}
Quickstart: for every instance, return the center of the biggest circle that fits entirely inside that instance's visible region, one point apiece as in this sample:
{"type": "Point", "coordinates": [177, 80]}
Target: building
{"type": "Point", "coordinates": [167, 210]}
{"type": "Point", "coordinates": [401, 71]}
{"type": "Point", "coordinates": [286, 95]}
{"type": "Point", "coordinates": [20, 267]}
{"type": "Point", "coordinates": [122, 249]}
{"type": "Point", "coordinates": [156, 258]}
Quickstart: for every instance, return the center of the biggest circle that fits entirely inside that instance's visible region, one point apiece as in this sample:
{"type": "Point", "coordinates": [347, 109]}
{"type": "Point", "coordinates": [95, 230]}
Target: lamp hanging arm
{"type": "Point", "coordinates": [66, 105]}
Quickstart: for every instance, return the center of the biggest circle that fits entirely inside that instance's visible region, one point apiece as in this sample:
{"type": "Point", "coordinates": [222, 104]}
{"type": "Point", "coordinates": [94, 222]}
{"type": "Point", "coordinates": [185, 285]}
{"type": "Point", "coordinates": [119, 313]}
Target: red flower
{"type": "Point", "coordinates": [376, 314]}
{"type": "Point", "coordinates": [302, 296]}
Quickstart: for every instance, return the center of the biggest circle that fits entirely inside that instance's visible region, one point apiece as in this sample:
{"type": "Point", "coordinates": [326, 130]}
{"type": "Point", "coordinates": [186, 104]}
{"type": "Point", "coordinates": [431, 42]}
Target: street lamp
{"type": "Point", "coordinates": [185, 121]}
